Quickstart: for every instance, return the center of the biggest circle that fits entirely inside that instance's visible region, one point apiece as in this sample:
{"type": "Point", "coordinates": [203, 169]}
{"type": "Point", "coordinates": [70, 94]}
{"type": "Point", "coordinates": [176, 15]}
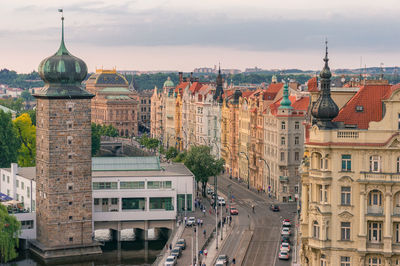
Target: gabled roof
{"type": "Point", "coordinates": [365, 106]}
{"type": "Point", "coordinates": [312, 84]}
{"type": "Point", "coordinates": [247, 94]}
{"type": "Point", "coordinates": [272, 91]}
{"type": "Point", "coordinates": [181, 86]}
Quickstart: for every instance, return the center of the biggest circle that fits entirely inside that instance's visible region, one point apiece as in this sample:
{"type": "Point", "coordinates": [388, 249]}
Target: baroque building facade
{"type": "Point", "coordinates": [350, 192]}
{"type": "Point", "coordinates": [114, 103]}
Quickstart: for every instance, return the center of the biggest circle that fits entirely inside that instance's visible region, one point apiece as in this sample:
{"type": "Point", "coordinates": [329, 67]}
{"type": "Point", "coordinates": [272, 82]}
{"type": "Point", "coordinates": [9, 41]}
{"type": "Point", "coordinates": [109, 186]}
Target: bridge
{"type": "Point", "coordinates": [110, 146]}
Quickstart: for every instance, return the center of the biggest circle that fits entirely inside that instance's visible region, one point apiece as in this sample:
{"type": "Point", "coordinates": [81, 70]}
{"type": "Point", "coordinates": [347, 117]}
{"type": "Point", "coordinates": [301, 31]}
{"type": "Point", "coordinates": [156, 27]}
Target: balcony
{"type": "Point", "coordinates": [374, 246]}
{"type": "Point", "coordinates": [320, 174]}
{"type": "Point", "coordinates": [283, 178]}
{"type": "Point", "coordinates": [379, 177]}
{"type": "Point", "coordinates": [375, 210]}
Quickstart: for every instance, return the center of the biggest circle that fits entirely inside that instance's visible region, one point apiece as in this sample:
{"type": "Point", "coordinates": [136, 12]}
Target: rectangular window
{"type": "Point", "coordinates": [8, 179]}
{"type": "Point", "coordinates": [282, 156]}
{"type": "Point", "coordinates": [296, 125]}
{"type": "Point", "coordinates": [296, 140]}
{"type": "Point", "coordinates": [283, 125]}
{"type": "Point", "coordinates": [33, 205]}
{"type": "Point", "coordinates": [17, 198]}
{"type": "Point", "coordinates": [346, 162]}
{"type": "Point", "coordinates": [346, 196]}
{"type": "Point", "coordinates": [96, 201]}
{"type": "Point", "coordinates": [28, 192]}
{"type": "Point", "coordinates": [22, 185]}
{"type": "Point", "coordinates": [344, 261]}
{"type": "Point", "coordinates": [283, 141]}
{"type": "Point", "coordinates": [104, 185]}
{"type": "Point", "coordinates": [164, 203]}
{"type": "Point", "coordinates": [296, 156]}
{"type": "Point", "coordinates": [114, 201]}
{"type": "Point", "coordinates": [133, 204]}
{"type": "Point", "coordinates": [22, 199]}
{"type": "Point", "coordinates": [399, 122]}
{"type": "Point", "coordinates": [345, 230]}
{"type": "Point", "coordinates": [375, 232]}
{"type": "Point", "coordinates": [374, 163]}
{"type": "Point", "coordinates": [132, 185]}
{"type": "Point", "coordinates": [397, 232]}
{"type": "Point", "coordinates": [17, 183]}
{"type": "Point", "coordinates": [158, 184]}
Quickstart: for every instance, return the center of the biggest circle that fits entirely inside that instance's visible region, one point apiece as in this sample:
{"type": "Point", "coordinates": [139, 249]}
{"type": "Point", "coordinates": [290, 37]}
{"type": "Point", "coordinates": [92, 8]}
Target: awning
{"type": "Point", "coordinates": [4, 197]}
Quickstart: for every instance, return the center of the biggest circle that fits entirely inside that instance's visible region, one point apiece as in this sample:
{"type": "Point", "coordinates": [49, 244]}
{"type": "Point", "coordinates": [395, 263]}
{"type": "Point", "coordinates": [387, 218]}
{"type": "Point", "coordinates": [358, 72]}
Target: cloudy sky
{"type": "Point", "coordinates": [184, 34]}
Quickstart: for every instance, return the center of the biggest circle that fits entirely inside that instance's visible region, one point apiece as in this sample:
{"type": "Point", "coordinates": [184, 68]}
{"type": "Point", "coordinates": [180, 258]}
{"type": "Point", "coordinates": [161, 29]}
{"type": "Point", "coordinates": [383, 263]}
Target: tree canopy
{"type": "Point", "coordinates": [9, 143]}
{"type": "Point", "coordinates": [26, 133]}
{"type": "Point", "coordinates": [202, 164]}
{"type": "Point", "coordinates": [149, 143]}
{"type": "Point", "coordinates": [10, 229]}
{"type": "Point", "coordinates": [16, 104]}
{"type": "Point", "coordinates": [98, 131]}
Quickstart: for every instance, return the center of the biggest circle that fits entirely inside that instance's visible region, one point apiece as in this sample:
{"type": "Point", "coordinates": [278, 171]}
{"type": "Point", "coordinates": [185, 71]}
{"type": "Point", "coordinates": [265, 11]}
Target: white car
{"type": "Point", "coordinates": [285, 231]}
{"type": "Point", "coordinates": [170, 261]}
{"type": "Point", "coordinates": [285, 247]}
{"type": "Point", "coordinates": [221, 201]}
{"type": "Point", "coordinates": [191, 221]}
{"type": "Point", "coordinates": [284, 255]}
{"type": "Point", "coordinates": [286, 223]}
{"type": "Point", "coordinates": [220, 263]}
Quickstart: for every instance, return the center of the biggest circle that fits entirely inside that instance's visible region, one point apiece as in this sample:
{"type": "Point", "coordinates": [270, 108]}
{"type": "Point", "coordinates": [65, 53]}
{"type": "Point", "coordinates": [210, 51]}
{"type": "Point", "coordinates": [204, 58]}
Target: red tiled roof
{"type": "Point", "coordinates": [392, 89]}
{"type": "Point", "coordinates": [247, 94]}
{"type": "Point", "coordinates": [181, 86]}
{"type": "Point", "coordinates": [272, 91]}
{"type": "Point", "coordinates": [370, 98]}
{"type": "Point", "coordinates": [312, 84]}
{"type": "Point", "coordinates": [195, 87]}
{"type": "Point", "coordinates": [299, 105]}
{"type": "Point", "coordinates": [228, 93]}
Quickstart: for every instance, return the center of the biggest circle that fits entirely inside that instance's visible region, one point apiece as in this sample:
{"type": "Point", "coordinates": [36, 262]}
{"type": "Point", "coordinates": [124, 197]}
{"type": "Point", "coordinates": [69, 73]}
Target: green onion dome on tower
{"type": "Point", "coordinates": [168, 83]}
{"type": "Point", "coordinates": [63, 74]}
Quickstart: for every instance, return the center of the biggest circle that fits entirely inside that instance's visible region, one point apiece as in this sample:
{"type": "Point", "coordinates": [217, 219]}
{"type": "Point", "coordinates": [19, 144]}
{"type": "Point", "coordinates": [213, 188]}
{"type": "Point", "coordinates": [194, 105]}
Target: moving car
{"type": "Point", "coordinates": [224, 258]}
{"type": "Point", "coordinates": [234, 211]}
{"type": "Point", "coordinates": [274, 208]}
{"type": "Point", "coordinates": [221, 201]}
{"type": "Point", "coordinates": [283, 255]}
{"type": "Point", "coordinates": [181, 243]}
{"type": "Point", "coordinates": [285, 247]}
{"type": "Point", "coordinates": [170, 261]}
{"type": "Point", "coordinates": [210, 191]}
{"type": "Point", "coordinates": [191, 221]}
{"type": "Point", "coordinates": [285, 239]}
{"type": "Point", "coordinates": [285, 231]}
{"type": "Point", "coordinates": [176, 252]}
{"type": "Point", "coordinates": [220, 263]}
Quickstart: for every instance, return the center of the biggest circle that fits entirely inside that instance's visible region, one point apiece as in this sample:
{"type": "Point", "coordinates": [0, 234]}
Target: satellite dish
{"type": "Point", "coordinates": [357, 80]}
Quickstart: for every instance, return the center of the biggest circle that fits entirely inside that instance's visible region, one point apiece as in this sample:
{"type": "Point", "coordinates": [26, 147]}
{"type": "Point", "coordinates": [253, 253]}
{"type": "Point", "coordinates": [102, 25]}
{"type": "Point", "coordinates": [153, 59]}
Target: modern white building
{"type": "Point", "coordinates": [140, 189]}
{"type": "Point", "coordinates": [124, 189]}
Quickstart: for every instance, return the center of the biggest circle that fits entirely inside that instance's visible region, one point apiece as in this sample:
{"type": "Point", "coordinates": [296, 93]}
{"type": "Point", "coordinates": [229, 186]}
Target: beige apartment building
{"type": "Point", "coordinates": [350, 182]}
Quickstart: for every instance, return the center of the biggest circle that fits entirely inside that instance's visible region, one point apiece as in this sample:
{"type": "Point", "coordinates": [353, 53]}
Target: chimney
{"type": "Point", "coordinates": [14, 169]}
{"type": "Point", "coordinates": [180, 77]}
{"type": "Point", "coordinates": [191, 76]}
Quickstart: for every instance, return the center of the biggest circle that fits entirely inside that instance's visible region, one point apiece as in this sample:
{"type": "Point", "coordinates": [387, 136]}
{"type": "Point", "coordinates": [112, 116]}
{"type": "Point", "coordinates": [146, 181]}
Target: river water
{"type": "Point", "coordinates": [131, 252]}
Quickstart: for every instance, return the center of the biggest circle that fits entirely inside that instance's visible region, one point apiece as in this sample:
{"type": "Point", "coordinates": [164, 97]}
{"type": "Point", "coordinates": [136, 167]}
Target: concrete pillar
{"type": "Point", "coordinates": [305, 202]}
{"type": "Point", "coordinates": [119, 255]}
{"type": "Point", "coordinates": [362, 214]}
{"type": "Point", "coordinates": [146, 241]}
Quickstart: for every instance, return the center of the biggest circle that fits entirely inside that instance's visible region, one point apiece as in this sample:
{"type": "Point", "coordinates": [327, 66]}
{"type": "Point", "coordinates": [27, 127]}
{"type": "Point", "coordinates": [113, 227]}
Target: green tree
{"type": "Point", "coordinates": [26, 133]}
{"type": "Point", "coordinates": [9, 142]}
{"type": "Point", "coordinates": [95, 138]}
{"type": "Point", "coordinates": [180, 158]}
{"type": "Point", "coordinates": [16, 104]}
{"type": "Point", "coordinates": [10, 229]}
{"type": "Point", "coordinates": [109, 131]}
{"type": "Point", "coordinates": [32, 114]}
{"type": "Point", "coordinates": [172, 152]}
{"type": "Point", "coordinates": [202, 164]}
{"type": "Point", "coordinates": [27, 96]}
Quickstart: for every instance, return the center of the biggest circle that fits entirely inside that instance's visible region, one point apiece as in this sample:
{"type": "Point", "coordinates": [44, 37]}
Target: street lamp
{"type": "Point", "coordinates": [269, 171]}
{"type": "Point", "coordinates": [248, 169]}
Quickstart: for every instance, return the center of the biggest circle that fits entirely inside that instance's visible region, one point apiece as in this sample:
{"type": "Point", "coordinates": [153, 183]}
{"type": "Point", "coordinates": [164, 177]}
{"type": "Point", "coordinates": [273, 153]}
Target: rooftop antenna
{"type": "Point", "coordinates": [360, 68]}
{"type": "Point", "coordinates": [381, 76]}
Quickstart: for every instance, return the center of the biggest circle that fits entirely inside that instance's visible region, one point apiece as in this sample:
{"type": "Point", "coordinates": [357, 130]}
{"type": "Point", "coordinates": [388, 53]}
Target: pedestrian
{"type": "Point", "coordinates": [204, 212]}
{"type": "Point", "coordinates": [198, 222]}
{"type": "Point", "coordinates": [185, 220]}
{"type": "Point", "coordinates": [205, 252]}
{"type": "Point", "coordinates": [204, 233]}
{"type": "Point", "coordinates": [233, 261]}
{"type": "Point", "coordinates": [170, 246]}
{"type": "Point", "coordinates": [201, 223]}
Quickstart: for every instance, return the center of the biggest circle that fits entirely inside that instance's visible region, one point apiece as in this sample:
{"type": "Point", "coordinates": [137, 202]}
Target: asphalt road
{"type": "Point", "coordinates": [265, 224]}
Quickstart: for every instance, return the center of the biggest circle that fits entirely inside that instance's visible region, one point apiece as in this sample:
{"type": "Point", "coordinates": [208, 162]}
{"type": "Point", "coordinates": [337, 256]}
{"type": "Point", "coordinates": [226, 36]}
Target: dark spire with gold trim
{"type": "Point", "coordinates": [325, 109]}
{"type": "Point", "coordinates": [219, 90]}
{"type": "Point", "coordinates": [63, 73]}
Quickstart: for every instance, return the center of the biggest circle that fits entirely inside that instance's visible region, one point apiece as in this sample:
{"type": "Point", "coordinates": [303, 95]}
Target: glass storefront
{"type": "Point", "coordinates": [161, 204]}
{"type": "Point", "coordinates": [133, 204]}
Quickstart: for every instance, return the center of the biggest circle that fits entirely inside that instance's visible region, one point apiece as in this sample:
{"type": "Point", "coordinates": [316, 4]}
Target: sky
{"type": "Point", "coordinates": [185, 34]}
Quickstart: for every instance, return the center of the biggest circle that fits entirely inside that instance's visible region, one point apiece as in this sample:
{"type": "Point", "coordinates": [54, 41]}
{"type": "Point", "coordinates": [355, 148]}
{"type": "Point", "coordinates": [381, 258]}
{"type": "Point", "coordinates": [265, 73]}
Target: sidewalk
{"type": "Point", "coordinates": [212, 251]}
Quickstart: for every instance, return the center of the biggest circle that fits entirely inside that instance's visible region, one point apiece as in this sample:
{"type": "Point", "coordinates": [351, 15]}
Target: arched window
{"type": "Point", "coordinates": [375, 198]}
{"type": "Point", "coordinates": [122, 132]}
{"type": "Point", "coordinates": [126, 133]}
{"type": "Point", "coordinates": [375, 163]}
{"type": "Point", "coordinates": [316, 160]}
{"type": "Point", "coordinates": [315, 230]}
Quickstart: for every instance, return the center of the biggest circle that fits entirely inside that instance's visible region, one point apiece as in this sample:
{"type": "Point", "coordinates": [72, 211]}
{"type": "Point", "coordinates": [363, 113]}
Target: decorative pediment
{"type": "Point", "coordinates": [346, 179]}
{"type": "Point", "coordinates": [345, 215]}
{"type": "Point", "coordinates": [395, 144]}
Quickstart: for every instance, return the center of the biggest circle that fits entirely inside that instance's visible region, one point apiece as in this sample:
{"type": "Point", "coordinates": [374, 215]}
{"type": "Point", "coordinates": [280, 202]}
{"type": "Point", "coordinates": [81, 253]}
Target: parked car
{"type": "Point", "coordinates": [210, 191]}
{"type": "Point", "coordinates": [176, 252]}
{"type": "Point", "coordinates": [286, 223]}
{"type": "Point", "coordinates": [274, 208]}
{"type": "Point", "coordinates": [221, 201]}
{"type": "Point", "coordinates": [170, 261]}
{"type": "Point", "coordinates": [285, 247]}
{"type": "Point", "coordinates": [181, 243]}
{"type": "Point", "coordinates": [191, 221]}
{"type": "Point", "coordinates": [234, 211]}
{"type": "Point", "coordinates": [285, 239]}
{"type": "Point", "coordinates": [224, 258]}
{"type": "Point", "coordinates": [285, 231]}
{"type": "Point", "coordinates": [283, 255]}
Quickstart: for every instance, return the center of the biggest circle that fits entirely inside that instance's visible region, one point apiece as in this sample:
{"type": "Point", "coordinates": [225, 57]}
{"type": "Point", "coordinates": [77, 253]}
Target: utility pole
{"type": "Point", "coordinates": [216, 211]}
{"type": "Point", "coordinates": [222, 229]}
{"type": "Point", "coordinates": [229, 200]}
{"type": "Point", "coordinates": [197, 244]}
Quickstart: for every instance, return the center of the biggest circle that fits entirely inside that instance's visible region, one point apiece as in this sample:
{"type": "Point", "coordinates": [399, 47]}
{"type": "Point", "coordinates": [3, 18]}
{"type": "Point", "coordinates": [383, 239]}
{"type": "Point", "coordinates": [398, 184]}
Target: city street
{"type": "Point", "coordinates": [265, 224]}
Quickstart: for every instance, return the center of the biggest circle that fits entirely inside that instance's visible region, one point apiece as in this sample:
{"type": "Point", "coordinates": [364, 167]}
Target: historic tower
{"type": "Point", "coordinates": [63, 158]}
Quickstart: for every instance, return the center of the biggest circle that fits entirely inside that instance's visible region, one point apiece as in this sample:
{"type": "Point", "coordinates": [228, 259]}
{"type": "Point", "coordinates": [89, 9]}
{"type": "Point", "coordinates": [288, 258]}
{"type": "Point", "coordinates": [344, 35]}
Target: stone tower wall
{"type": "Point", "coordinates": [63, 172]}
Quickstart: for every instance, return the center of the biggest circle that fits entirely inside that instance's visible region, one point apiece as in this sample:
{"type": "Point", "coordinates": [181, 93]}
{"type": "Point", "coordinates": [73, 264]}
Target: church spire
{"type": "Point", "coordinates": [286, 103]}
{"type": "Point", "coordinates": [219, 90]}
{"type": "Point", "coordinates": [325, 109]}
{"type": "Point", "coordinates": [62, 50]}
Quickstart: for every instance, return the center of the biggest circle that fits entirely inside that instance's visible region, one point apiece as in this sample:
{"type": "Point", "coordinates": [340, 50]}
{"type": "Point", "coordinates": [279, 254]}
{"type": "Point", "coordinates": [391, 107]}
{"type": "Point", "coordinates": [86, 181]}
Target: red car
{"type": "Point", "coordinates": [234, 211]}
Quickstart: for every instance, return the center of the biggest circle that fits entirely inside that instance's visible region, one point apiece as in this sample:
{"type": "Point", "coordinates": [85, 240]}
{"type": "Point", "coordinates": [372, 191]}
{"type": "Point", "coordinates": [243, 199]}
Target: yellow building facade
{"type": "Point", "coordinates": [350, 178]}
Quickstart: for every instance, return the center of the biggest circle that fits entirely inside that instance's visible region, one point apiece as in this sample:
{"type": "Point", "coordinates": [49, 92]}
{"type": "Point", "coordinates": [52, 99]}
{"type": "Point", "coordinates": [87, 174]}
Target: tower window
{"type": "Point", "coordinates": [70, 109]}
{"type": "Point", "coordinates": [70, 187]}
{"type": "Point", "coordinates": [359, 108]}
{"type": "Point", "coordinates": [70, 203]}
{"type": "Point", "coordinates": [69, 142]}
{"type": "Point", "coordinates": [71, 239]}
{"type": "Point", "coordinates": [70, 217]}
